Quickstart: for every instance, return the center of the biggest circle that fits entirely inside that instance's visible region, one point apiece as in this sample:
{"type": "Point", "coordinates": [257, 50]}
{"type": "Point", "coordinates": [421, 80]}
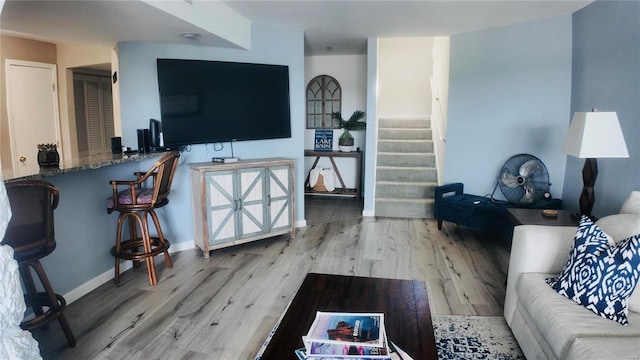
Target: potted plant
{"type": "Point", "coordinates": [355, 122]}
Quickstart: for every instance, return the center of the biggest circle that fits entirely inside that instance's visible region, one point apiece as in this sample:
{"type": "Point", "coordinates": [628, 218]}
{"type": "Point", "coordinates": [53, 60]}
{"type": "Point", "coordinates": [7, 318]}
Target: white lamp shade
{"type": "Point", "coordinates": [595, 135]}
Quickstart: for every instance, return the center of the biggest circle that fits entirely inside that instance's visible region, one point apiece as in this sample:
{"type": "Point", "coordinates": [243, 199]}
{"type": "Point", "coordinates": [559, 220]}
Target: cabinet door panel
{"type": "Point", "coordinates": [279, 215]}
{"type": "Point", "coordinates": [223, 228]}
{"type": "Point", "coordinates": [279, 197]}
{"type": "Point", "coordinates": [221, 206]}
{"type": "Point", "coordinates": [251, 196]}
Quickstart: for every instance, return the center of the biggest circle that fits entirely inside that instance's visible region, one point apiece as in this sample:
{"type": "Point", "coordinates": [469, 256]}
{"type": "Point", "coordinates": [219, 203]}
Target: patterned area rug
{"type": "Point", "coordinates": [474, 337]}
{"type": "Point", "coordinates": [465, 338]}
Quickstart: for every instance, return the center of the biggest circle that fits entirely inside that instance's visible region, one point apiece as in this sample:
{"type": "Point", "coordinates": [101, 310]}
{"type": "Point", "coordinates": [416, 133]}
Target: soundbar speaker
{"type": "Point", "coordinates": [143, 141]}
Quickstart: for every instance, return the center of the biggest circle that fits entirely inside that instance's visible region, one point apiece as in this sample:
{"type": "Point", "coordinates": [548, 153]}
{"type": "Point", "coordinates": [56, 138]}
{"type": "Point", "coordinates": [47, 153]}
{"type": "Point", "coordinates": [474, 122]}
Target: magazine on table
{"type": "Point", "coordinates": [395, 354]}
{"type": "Point", "coordinates": [349, 336]}
{"type": "Point", "coordinates": [348, 328]}
{"type": "Point", "coordinates": [317, 349]}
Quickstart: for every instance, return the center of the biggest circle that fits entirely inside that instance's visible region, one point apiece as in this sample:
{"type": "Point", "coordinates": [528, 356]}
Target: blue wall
{"type": "Point", "coordinates": [140, 101]}
{"type": "Point", "coordinates": [509, 94]}
{"type": "Point", "coordinates": [85, 232]}
{"type": "Point", "coordinates": [606, 76]}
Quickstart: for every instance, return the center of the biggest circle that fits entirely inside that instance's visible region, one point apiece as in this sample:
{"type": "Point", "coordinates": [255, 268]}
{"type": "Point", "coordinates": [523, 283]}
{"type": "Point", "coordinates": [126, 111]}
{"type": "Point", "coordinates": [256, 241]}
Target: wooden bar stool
{"type": "Point", "coordinates": [136, 204]}
{"type": "Point", "coordinates": [31, 235]}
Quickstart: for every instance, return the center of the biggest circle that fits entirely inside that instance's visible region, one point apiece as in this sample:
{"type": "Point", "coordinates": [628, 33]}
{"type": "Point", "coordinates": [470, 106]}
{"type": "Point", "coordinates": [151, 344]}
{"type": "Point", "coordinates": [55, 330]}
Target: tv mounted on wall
{"type": "Point", "coordinates": [214, 101]}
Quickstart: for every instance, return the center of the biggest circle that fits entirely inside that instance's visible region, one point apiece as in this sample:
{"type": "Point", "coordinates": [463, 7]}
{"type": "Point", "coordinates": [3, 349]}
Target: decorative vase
{"type": "Point", "coordinates": [48, 156]}
{"type": "Point", "coordinates": [345, 143]}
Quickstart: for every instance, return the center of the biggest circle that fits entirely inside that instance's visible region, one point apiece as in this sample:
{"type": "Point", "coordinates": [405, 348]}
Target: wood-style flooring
{"type": "Point", "coordinates": [224, 307]}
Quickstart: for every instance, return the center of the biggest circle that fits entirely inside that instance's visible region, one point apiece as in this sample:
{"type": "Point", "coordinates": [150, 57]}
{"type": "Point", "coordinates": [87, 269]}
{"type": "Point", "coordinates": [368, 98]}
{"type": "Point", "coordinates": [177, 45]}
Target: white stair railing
{"type": "Point", "coordinates": [437, 112]}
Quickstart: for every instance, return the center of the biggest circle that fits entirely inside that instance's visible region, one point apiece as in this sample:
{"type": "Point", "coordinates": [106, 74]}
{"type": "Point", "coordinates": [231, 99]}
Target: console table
{"type": "Point", "coordinates": [234, 203]}
{"type": "Point", "coordinates": [343, 190]}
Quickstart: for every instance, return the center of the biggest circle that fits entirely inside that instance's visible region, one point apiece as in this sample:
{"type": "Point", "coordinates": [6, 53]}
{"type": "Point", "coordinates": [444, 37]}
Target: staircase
{"type": "Point", "coordinates": [406, 174]}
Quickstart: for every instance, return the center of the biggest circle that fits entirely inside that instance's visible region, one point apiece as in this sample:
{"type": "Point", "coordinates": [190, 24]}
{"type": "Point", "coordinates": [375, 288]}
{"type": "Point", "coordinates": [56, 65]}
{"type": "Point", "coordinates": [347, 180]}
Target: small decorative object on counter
{"type": "Point", "coordinates": [48, 156]}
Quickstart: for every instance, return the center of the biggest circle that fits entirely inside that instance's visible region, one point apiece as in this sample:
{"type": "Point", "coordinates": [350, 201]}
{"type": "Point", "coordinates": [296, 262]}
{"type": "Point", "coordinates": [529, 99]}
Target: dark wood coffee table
{"type": "Point", "coordinates": [403, 302]}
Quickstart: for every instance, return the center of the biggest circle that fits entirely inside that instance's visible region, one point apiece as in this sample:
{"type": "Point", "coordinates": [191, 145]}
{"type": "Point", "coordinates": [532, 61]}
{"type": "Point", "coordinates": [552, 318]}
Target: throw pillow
{"type": "Point", "coordinates": [632, 204]}
{"type": "Point", "coordinates": [620, 227]}
{"type": "Point", "coordinates": [600, 276]}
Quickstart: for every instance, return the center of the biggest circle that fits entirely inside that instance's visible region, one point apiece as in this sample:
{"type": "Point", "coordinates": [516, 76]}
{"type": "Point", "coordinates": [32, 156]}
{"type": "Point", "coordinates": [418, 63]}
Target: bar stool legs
{"type": "Point", "coordinates": [38, 300]}
{"type": "Point", "coordinates": [151, 245]}
{"type": "Point", "coordinates": [136, 201]}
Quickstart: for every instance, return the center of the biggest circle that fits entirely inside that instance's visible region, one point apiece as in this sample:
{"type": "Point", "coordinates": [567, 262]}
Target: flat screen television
{"type": "Point", "coordinates": [214, 101]}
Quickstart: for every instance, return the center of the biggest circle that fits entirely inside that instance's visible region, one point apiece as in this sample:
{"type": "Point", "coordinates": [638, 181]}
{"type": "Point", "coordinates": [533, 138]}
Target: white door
{"type": "Point", "coordinates": [32, 107]}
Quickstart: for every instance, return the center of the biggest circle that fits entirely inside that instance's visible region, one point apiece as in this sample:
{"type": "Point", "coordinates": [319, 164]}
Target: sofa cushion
{"type": "Point", "coordinates": [632, 204]}
{"type": "Point", "coordinates": [560, 320]}
{"type": "Point", "coordinates": [605, 347]}
{"type": "Point", "coordinates": [600, 276]}
{"type": "Point", "coordinates": [620, 227]}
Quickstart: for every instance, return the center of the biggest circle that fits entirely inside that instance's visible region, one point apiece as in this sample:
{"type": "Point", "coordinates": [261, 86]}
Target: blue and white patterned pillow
{"type": "Point", "coordinates": [599, 276]}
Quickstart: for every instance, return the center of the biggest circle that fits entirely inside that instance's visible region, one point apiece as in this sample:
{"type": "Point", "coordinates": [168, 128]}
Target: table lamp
{"type": "Point", "coordinates": [593, 135]}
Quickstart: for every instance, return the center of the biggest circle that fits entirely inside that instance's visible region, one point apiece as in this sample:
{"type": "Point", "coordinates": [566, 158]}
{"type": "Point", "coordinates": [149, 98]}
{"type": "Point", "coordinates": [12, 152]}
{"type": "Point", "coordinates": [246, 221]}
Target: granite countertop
{"type": "Point", "coordinates": [79, 164]}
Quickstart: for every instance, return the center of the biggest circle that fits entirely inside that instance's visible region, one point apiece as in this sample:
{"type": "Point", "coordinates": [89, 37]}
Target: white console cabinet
{"type": "Point", "coordinates": [234, 203]}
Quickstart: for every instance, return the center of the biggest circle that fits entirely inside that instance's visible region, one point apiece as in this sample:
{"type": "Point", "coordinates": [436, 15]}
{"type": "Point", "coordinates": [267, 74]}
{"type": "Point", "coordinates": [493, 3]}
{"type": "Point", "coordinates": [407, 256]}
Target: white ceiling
{"type": "Point", "coordinates": [342, 26]}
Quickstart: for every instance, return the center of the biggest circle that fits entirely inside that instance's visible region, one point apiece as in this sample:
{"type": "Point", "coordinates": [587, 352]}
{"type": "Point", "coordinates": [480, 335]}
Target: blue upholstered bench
{"type": "Point", "coordinates": [478, 212]}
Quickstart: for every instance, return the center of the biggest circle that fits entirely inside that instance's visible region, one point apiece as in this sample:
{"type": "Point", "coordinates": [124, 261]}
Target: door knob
{"type": "Point", "coordinates": [23, 159]}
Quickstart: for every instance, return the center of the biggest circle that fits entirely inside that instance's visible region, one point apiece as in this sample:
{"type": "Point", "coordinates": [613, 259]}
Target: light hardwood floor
{"type": "Point", "coordinates": [223, 307]}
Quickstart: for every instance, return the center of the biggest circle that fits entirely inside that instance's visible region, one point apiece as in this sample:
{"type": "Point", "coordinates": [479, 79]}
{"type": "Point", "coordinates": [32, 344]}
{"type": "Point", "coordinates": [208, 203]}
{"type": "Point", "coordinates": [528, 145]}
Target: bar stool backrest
{"type": "Point", "coordinates": [136, 195]}
{"type": "Point", "coordinates": [31, 230]}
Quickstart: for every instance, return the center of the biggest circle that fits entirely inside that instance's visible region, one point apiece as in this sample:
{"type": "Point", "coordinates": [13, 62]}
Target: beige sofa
{"type": "Point", "coordinates": [546, 324]}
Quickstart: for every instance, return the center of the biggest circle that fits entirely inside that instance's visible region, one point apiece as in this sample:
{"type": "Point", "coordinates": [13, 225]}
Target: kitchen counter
{"type": "Point", "coordinates": [79, 164]}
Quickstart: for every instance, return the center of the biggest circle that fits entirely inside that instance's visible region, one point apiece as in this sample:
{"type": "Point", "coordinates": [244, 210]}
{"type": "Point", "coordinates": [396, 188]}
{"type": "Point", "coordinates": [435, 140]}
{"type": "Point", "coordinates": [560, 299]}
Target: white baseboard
{"type": "Point", "coordinates": [368, 213]}
{"type": "Point", "coordinates": [108, 275]}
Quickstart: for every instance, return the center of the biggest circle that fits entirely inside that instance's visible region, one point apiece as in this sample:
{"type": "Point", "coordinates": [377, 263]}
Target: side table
{"type": "Point", "coordinates": [521, 216]}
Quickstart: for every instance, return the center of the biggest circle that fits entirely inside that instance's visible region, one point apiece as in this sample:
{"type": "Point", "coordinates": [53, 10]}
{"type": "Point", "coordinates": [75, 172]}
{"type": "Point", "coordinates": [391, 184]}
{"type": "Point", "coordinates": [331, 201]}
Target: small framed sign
{"type": "Point", "coordinates": [323, 140]}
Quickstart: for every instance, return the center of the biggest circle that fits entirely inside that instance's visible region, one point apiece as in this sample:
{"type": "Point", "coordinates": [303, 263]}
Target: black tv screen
{"type": "Point", "coordinates": [214, 101]}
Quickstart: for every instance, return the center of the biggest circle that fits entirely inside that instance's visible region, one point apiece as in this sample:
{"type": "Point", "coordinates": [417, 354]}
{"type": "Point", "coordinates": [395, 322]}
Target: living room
{"type": "Point", "coordinates": [513, 89]}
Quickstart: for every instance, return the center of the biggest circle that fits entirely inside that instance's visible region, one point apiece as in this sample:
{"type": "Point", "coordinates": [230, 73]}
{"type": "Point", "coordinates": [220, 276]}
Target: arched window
{"type": "Point", "coordinates": [324, 97]}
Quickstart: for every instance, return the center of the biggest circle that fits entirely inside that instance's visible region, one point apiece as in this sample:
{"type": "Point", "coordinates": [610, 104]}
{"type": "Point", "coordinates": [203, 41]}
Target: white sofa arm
{"type": "Point", "coordinates": [535, 248]}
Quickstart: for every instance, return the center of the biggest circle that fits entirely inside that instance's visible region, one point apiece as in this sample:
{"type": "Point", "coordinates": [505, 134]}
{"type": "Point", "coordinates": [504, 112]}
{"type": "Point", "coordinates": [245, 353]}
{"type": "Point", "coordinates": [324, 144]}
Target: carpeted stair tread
{"type": "Point", "coordinates": [411, 183]}
{"type": "Point", "coordinates": [406, 159]}
{"type": "Point", "coordinates": [401, 173]}
{"type": "Point", "coordinates": [406, 167]}
{"type": "Point", "coordinates": [399, 189]}
{"type": "Point", "coordinates": [406, 176]}
{"type": "Point", "coordinates": [405, 208]}
{"type": "Point", "coordinates": [402, 200]}
{"type": "Point", "coordinates": [404, 123]}
{"type": "Point", "coordinates": [405, 146]}
{"type": "Point", "coordinates": [404, 134]}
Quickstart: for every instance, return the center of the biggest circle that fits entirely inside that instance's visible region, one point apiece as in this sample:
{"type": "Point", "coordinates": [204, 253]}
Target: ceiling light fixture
{"type": "Point", "coordinates": [190, 36]}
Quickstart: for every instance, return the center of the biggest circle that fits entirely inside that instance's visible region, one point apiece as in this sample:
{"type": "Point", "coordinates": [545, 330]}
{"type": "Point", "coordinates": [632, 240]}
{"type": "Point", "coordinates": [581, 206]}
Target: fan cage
{"type": "Point", "coordinates": [523, 180]}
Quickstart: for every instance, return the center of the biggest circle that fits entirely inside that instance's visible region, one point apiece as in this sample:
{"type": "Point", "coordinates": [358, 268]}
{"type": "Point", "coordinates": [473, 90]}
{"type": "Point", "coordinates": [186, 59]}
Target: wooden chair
{"type": "Point", "coordinates": [136, 203]}
{"type": "Point", "coordinates": [31, 235]}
